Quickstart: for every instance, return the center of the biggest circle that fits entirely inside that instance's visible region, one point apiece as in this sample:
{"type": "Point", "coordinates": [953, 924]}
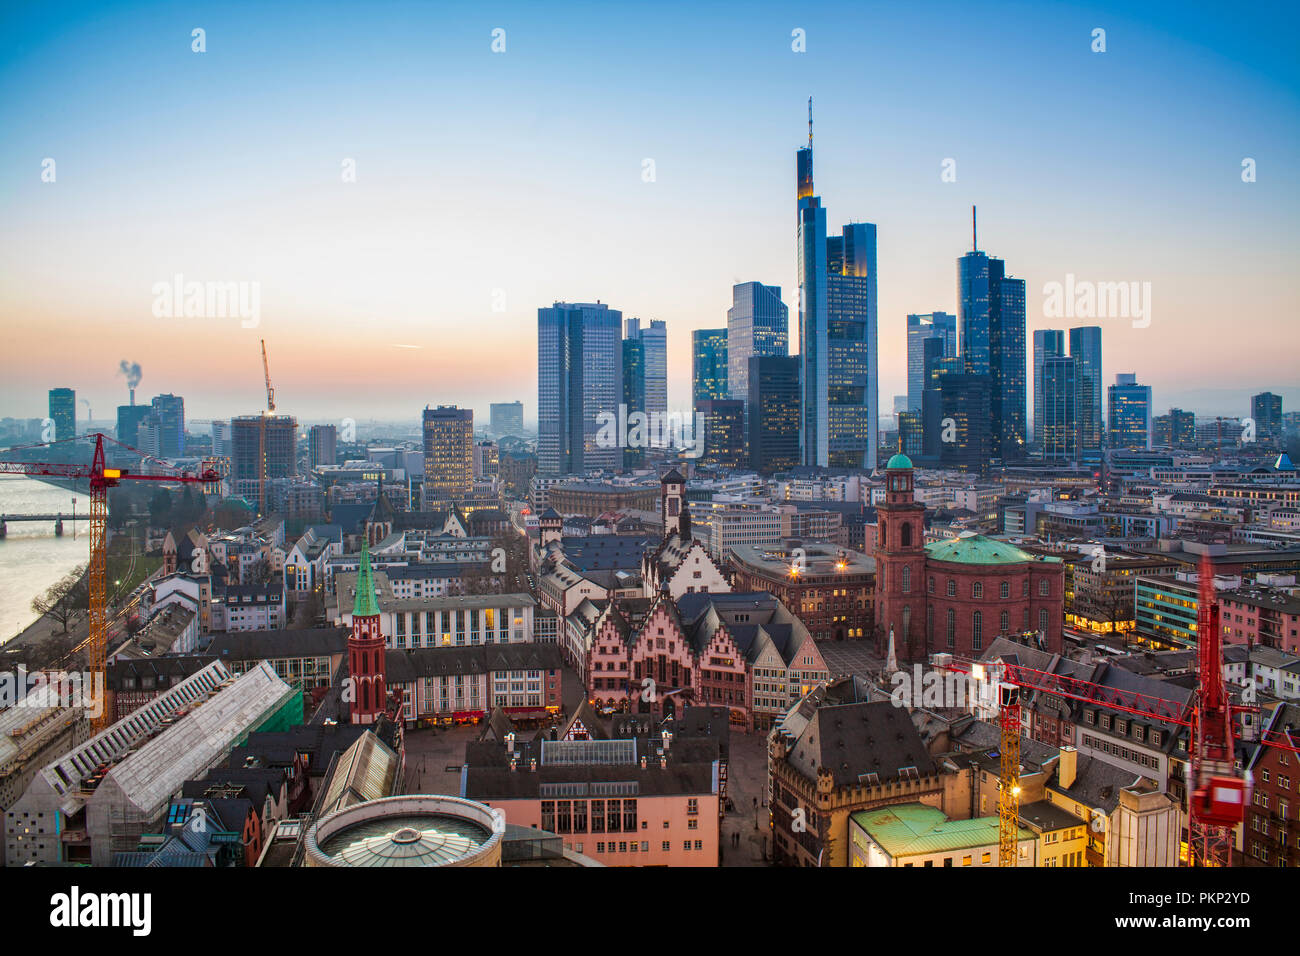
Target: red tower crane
{"type": "Point", "coordinates": [1217, 795]}
{"type": "Point", "coordinates": [101, 479]}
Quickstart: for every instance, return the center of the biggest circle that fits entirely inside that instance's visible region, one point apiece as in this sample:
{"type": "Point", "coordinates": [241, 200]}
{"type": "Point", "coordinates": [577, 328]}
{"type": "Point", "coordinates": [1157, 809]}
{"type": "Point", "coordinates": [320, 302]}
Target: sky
{"type": "Point", "coordinates": [489, 184]}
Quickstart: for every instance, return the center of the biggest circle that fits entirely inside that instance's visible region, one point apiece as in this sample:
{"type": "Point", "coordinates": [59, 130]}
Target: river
{"type": "Point", "coordinates": [31, 557]}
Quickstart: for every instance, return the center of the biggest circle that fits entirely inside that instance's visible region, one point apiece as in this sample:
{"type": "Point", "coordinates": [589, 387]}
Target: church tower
{"type": "Point", "coordinates": [901, 597]}
{"type": "Point", "coordinates": [672, 503]}
{"type": "Point", "coordinates": [369, 696]}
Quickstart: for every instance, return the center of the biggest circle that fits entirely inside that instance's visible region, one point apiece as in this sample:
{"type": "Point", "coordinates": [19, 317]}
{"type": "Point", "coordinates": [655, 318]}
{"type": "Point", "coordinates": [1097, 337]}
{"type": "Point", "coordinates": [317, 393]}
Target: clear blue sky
{"type": "Point", "coordinates": [516, 179]}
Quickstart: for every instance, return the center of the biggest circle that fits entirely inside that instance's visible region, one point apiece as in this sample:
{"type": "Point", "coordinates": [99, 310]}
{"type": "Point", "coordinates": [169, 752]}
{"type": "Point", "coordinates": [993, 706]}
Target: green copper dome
{"type": "Point", "coordinates": [971, 548]}
{"type": "Point", "coordinates": [899, 461]}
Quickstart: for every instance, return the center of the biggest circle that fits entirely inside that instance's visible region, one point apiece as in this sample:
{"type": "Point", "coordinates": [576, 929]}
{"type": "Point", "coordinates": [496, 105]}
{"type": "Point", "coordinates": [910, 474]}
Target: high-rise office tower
{"type": "Point", "coordinates": [487, 459]}
{"type": "Point", "coordinates": [322, 445]}
{"type": "Point", "coordinates": [579, 376]}
{"type": "Point", "coordinates": [448, 455]}
{"type": "Point", "coordinates": [506, 418]}
{"type": "Point", "coordinates": [281, 449]}
{"type": "Point", "coordinates": [1047, 342]}
{"type": "Point", "coordinates": [837, 331]}
{"type": "Point", "coordinates": [920, 330]}
{"type": "Point", "coordinates": [1266, 410]}
{"type": "Point", "coordinates": [708, 365]}
{"type": "Point", "coordinates": [63, 410]}
{"type": "Point", "coordinates": [1130, 413]}
{"type": "Point", "coordinates": [170, 412]}
{"type": "Point", "coordinates": [129, 418]}
{"type": "Point", "coordinates": [965, 432]}
{"type": "Point", "coordinates": [773, 417]}
{"type": "Point", "coordinates": [222, 445]}
{"type": "Point", "coordinates": [1085, 349]}
{"type": "Point", "coordinates": [758, 323]}
{"type": "Point", "coordinates": [633, 392]}
{"type": "Point", "coordinates": [654, 357]}
{"type": "Point", "coordinates": [991, 308]}
{"type": "Point", "coordinates": [1174, 430]}
{"type": "Point", "coordinates": [724, 432]}
{"type": "Point", "coordinates": [1058, 429]}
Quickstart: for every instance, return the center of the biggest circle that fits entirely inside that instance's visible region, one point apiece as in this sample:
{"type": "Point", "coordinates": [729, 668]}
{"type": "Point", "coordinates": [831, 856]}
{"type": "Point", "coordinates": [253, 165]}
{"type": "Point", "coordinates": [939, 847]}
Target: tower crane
{"type": "Point", "coordinates": [1217, 794]}
{"type": "Point", "coordinates": [101, 479]}
{"type": "Point", "coordinates": [261, 435]}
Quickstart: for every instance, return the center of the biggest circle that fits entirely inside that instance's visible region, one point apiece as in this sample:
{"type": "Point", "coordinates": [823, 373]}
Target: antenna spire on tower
{"type": "Point", "coordinates": [974, 242]}
{"type": "Point", "coordinates": [810, 122]}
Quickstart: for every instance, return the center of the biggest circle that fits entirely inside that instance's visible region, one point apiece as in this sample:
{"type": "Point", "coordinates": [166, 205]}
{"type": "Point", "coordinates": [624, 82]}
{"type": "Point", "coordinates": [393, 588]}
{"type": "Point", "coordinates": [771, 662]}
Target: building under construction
{"type": "Point", "coordinates": [102, 797]}
{"type": "Point", "coordinates": [246, 448]}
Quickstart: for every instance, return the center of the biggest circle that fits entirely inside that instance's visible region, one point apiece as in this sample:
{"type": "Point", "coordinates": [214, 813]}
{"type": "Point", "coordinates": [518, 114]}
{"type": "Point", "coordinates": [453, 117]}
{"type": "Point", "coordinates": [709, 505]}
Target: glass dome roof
{"type": "Point", "coordinates": [406, 840]}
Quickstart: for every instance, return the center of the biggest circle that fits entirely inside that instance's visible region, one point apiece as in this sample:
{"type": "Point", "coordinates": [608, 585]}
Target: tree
{"type": "Point", "coordinates": [64, 598]}
{"type": "Point", "coordinates": [160, 507]}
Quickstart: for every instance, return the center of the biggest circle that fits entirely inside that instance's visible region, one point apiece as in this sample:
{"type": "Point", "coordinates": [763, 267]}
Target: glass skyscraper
{"type": "Point", "coordinates": [1058, 429]}
{"type": "Point", "coordinates": [758, 323]}
{"type": "Point", "coordinates": [1047, 342]}
{"type": "Point", "coordinates": [654, 358]}
{"type": "Point", "coordinates": [709, 365]}
{"type": "Point", "coordinates": [1266, 410]}
{"type": "Point", "coordinates": [1085, 349]}
{"type": "Point", "coordinates": [1130, 413]}
{"type": "Point", "coordinates": [837, 332]}
{"type": "Point", "coordinates": [63, 411]}
{"type": "Point", "coordinates": [579, 375]}
{"type": "Point", "coordinates": [930, 325]}
{"type": "Point", "coordinates": [991, 309]}
{"type": "Point", "coordinates": [773, 415]}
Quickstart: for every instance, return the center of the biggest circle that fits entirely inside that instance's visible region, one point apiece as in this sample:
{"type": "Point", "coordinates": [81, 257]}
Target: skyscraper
{"type": "Point", "coordinates": [758, 323]}
{"type": "Point", "coordinates": [1266, 410]}
{"type": "Point", "coordinates": [1085, 349]}
{"type": "Point", "coordinates": [966, 425]}
{"type": "Point", "coordinates": [708, 365]}
{"type": "Point", "coordinates": [1047, 342]}
{"type": "Point", "coordinates": [579, 375]}
{"type": "Point", "coordinates": [246, 448]}
{"type": "Point", "coordinates": [129, 418]}
{"type": "Point", "coordinates": [63, 410]}
{"type": "Point", "coordinates": [448, 455]}
{"type": "Point", "coordinates": [920, 329]}
{"type": "Point", "coordinates": [1130, 413]}
{"type": "Point", "coordinates": [773, 417]}
{"type": "Point", "coordinates": [724, 432]}
{"type": "Point", "coordinates": [991, 308]}
{"type": "Point", "coordinates": [1058, 429]}
{"type": "Point", "coordinates": [506, 418]}
{"type": "Point", "coordinates": [837, 331]}
{"type": "Point", "coordinates": [654, 357]}
{"type": "Point", "coordinates": [633, 391]}
{"type": "Point", "coordinates": [170, 412]}
{"type": "Point", "coordinates": [322, 445]}
{"type": "Point", "coordinates": [1175, 430]}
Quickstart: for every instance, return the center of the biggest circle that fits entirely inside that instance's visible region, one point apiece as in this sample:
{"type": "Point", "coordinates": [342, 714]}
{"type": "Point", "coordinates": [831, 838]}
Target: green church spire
{"type": "Point", "coordinates": [366, 605]}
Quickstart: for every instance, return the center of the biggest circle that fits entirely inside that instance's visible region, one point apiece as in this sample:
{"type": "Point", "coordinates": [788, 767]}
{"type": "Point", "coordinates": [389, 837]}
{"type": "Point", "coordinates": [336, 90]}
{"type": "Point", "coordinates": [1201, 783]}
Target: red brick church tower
{"type": "Point", "coordinates": [900, 565]}
{"type": "Point", "coordinates": [369, 697]}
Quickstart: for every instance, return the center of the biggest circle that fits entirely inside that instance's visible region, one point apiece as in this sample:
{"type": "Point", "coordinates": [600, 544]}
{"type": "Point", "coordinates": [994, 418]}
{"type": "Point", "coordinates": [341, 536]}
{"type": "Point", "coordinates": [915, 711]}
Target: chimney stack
{"type": "Point", "coordinates": [1068, 766]}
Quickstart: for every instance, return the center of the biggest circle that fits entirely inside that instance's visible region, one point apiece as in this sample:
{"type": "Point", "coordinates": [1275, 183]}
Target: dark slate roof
{"type": "Point", "coordinates": [172, 669]}
{"type": "Point", "coordinates": [607, 552]}
{"type": "Point", "coordinates": [852, 740]}
{"type": "Point", "coordinates": [350, 517]}
{"type": "Point", "coordinates": [689, 770]}
{"type": "Point", "coordinates": [1097, 783]}
{"type": "Point", "coordinates": [274, 645]}
{"type": "Point", "coordinates": [278, 749]}
{"type": "Point", "coordinates": [672, 477]}
{"type": "Point", "coordinates": [253, 783]}
{"type": "Point", "coordinates": [402, 667]}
